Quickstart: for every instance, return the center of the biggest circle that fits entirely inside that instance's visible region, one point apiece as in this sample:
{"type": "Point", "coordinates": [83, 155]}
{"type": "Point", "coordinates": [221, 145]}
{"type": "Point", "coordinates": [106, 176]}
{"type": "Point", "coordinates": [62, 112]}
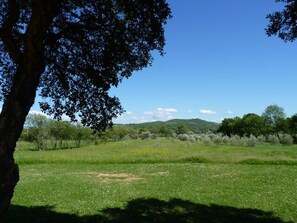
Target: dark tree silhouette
{"type": "Point", "coordinates": [72, 51]}
{"type": "Point", "coordinates": [284, 23]}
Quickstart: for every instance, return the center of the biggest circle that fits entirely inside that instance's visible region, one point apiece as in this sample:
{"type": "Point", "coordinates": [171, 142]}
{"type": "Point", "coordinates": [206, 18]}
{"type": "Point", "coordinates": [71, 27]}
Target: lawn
{"type": "Point", "coordinates": [157, 181]}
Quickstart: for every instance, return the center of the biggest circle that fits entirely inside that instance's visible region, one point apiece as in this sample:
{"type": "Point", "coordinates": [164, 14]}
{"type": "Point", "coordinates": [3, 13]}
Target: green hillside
{"type": "Point", "coordinates": [194, 125]}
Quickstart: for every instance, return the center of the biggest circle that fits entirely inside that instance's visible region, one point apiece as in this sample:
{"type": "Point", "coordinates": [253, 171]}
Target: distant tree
{"type": "Point", "coordinates": [284, 23]}
{"type": "Point", "coordinates": [274, 119]}
{"type": "Point", "coordinates": [117, 132]}
{"type": "Point", "coordinates": [164, 131]}
{"type": "Point", "coordinates": [182, 129]}
{"type": "Point", "coordinates": [36, 129]}
{"type": "Point", "coordinates": [292, 127]}
{"type": "Point", "coordinates": [74, 52]}
{"type": "Point", "coordinates": [61, 131]}
{"type": "Point", "coordinates": [231, 126]}
{"type": "Point", "coordinates": [227, 126]}
{"type": "Point", "coordinates": [238, 127]}
{"type": "Point", "coordinates": [252, 124]}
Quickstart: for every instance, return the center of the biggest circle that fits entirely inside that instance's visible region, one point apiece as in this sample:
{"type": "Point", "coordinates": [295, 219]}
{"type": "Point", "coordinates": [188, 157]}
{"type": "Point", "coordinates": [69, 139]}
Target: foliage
{"type": "Point", "coordinates": [194, 125]}
{"type": "Point", "coordinates": [270, 125]}
{"type": "Point", "coordinates": [286, 139]}
{"type": "Point", "coordinates": [145, 135]}
{"type": "Point", "coordinates": [272, 139]}
{"type": "Point", "coordinates": [87, 47]}
{"type": "Point", "coordinates": [50, 134]}
{"type": "Point", "coordinates": [284, 23]}
{"type": "Point", "coordinates": [274, 119]}
{"type": "Point", "coordinates": [72, 52]}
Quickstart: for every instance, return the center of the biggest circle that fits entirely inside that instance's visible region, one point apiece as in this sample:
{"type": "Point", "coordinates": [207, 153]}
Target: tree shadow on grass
{"type": "Point", "coordinates": [146, 211]}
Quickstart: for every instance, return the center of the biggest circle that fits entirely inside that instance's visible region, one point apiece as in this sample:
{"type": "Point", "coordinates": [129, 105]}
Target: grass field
{"type": "Point", "coordinates": [157, 181]}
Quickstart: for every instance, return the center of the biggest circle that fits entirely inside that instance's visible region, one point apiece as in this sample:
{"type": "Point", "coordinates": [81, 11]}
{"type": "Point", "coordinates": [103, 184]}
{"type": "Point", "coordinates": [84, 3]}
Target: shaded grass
{"type": "Point", "coordinates": [147, 210]}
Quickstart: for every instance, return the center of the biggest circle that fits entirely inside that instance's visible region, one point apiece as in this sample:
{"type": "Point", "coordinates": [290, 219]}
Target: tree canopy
{"type": "Point", "coordinates": [87, 47]}
{"type": "Point", "coordinates": [284, 23]}
{"type": "Point", "coordinates": [73, 52]}
{"type": "Point", "coordinates": [272, 122]}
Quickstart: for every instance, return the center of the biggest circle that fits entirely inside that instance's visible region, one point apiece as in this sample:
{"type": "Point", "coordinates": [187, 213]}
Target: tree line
{"type": "Point", "coordinates": [47, 133]}
{"type": "Point", "coordinates": [272, 126]}
{"type": "Point", "coordinates": [272, 122]}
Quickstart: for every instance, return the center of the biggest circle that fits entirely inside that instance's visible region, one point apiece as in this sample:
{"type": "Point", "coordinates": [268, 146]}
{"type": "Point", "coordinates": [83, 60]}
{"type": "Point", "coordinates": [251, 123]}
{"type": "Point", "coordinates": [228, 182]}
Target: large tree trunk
{"type": "Point", "coordinates": [30, 66]}
{"type": "Point", "coordinates": [15, 109]}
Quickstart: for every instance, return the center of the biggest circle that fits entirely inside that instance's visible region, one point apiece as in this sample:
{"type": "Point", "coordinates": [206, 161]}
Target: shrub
{"type": "Point", "coordinates": [285, 139]}
{"type": "Point", "coordinates": [272, 139]}
{"type": "Point", "coordinates": [261, 139]}
{"type": "Point", "coordinates": [235, 140]}
{"type": "Point", "coordinates": [183, 137]}
{"type": "Point", "coordinates": [145, 135]}
{"type": "Point", "coordinates": [251, 141]}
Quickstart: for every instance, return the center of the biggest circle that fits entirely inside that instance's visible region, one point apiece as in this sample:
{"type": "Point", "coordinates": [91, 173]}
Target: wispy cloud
{"type": "Point", "coordinates": [159, 114]}
{"type": "Point", "coordinates": [34, 112]}
{"type": "Point", "coordinates": [207, 112]}
{"type": "Point", "coordinates": [230, 112]}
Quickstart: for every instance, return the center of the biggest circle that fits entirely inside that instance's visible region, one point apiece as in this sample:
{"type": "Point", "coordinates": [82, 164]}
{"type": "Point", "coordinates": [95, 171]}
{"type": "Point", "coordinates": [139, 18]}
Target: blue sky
{"type": "Point", "coordinates": [219, 63]}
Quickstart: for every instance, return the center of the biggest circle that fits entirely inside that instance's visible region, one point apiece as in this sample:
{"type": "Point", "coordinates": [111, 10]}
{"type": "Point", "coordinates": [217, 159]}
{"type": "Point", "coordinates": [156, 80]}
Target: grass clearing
{"type": "Point", "coordinates": [163, 151]}
{"type": "Point", "coordinates": [137, 181]}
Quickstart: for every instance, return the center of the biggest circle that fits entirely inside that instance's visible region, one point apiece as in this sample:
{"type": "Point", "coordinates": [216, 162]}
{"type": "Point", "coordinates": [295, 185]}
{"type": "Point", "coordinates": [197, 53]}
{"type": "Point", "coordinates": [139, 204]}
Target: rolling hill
{"type": "Point", "coordinates": [194, 125]}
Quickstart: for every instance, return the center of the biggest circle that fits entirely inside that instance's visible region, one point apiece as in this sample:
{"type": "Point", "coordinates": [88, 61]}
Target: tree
{"type": "Point", "coordinates": [284, 23]}
{"type": "Point", "coordinates": [164, 131]}
{"type": "Point", "coordinates": [274, 119]}
{"type": "Point", "coordinates": [182, 129]}
{"type": "Point", "coordinates": [73, 51]}
{"type": "Point", "coordinates": [292, 126]}
{"type": "Point", "coordinates": [37, 129]}
{"type": "Point", "coordinates": [231, 126]}
{"type": "Point", "coordinates": [252, 124]}
{"type": "Point", "coordinates": [227, 127]}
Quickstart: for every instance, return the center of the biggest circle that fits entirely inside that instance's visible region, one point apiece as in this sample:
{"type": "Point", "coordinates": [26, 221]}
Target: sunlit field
{"type": "Point", "coordinates": [161, 180]}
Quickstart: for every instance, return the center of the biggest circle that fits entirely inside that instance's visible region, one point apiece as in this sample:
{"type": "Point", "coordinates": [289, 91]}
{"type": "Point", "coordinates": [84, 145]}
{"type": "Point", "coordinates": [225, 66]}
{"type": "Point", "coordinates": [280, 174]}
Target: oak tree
{"type": "Point", "coordinates": [72, 52]}
{"type": "Point", "coordinates": [284, 23]}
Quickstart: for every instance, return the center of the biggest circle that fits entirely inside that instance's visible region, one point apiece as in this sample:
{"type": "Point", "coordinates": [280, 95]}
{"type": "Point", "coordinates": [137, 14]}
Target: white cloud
{"type": "Point", "coordinates": [64, 117]}
{"type": "Point", "coordinates": [207, 112]}
{"type": "Point", "coordinates": [230, 112]}
{"type": "Point", "coordinates": [37, 113]}
{"type": "Point", "coordinates": [159, 114]}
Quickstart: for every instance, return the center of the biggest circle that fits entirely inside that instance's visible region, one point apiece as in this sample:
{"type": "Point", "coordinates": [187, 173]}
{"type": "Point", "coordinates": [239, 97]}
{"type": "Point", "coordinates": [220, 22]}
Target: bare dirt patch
{"type": "Point", "coordinates": [114, 177]}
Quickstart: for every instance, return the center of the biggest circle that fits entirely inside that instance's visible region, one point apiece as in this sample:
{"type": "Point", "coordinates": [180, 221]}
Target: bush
{"type": "Point", "coordinates": [261, 139]}
{"type": "Point", "coordinates": [183, 137]}
{"type": "Point", "coordinates": [235, 140]}
{"type": "Point", "coordinates": [286, 139]}
{"type": "Point", "coordinates": [272, 139]}
{"type": "Point", "coordinates": [251, 141]}
{"type": "Point", "coordinates": [145, 135]}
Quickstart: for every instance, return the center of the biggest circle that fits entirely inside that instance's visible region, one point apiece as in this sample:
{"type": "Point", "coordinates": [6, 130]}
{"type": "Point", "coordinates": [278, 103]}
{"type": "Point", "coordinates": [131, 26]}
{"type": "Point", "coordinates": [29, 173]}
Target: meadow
{"type": "Point", "coordinates": [157, 180]}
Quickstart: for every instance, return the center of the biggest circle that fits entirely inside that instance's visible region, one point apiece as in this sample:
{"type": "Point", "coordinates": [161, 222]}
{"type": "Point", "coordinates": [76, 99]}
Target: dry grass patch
{"type": "Point", "coordinates": [114, 177]}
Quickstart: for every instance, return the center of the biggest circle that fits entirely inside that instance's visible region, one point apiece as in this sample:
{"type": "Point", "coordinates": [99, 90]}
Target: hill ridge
{"type": "Point", "coordinates": [195, 125]}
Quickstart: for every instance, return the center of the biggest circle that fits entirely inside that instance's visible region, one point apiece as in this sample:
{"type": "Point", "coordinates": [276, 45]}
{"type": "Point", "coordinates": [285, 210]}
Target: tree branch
{"type": "Point", "coordinates": [6, 30]}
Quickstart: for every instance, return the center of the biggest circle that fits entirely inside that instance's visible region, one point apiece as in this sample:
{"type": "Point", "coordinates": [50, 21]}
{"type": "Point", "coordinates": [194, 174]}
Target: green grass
{"type": "Point", "coordinates": [163, 151]}
{"type": "Point", "coordinates": [157, 181]}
